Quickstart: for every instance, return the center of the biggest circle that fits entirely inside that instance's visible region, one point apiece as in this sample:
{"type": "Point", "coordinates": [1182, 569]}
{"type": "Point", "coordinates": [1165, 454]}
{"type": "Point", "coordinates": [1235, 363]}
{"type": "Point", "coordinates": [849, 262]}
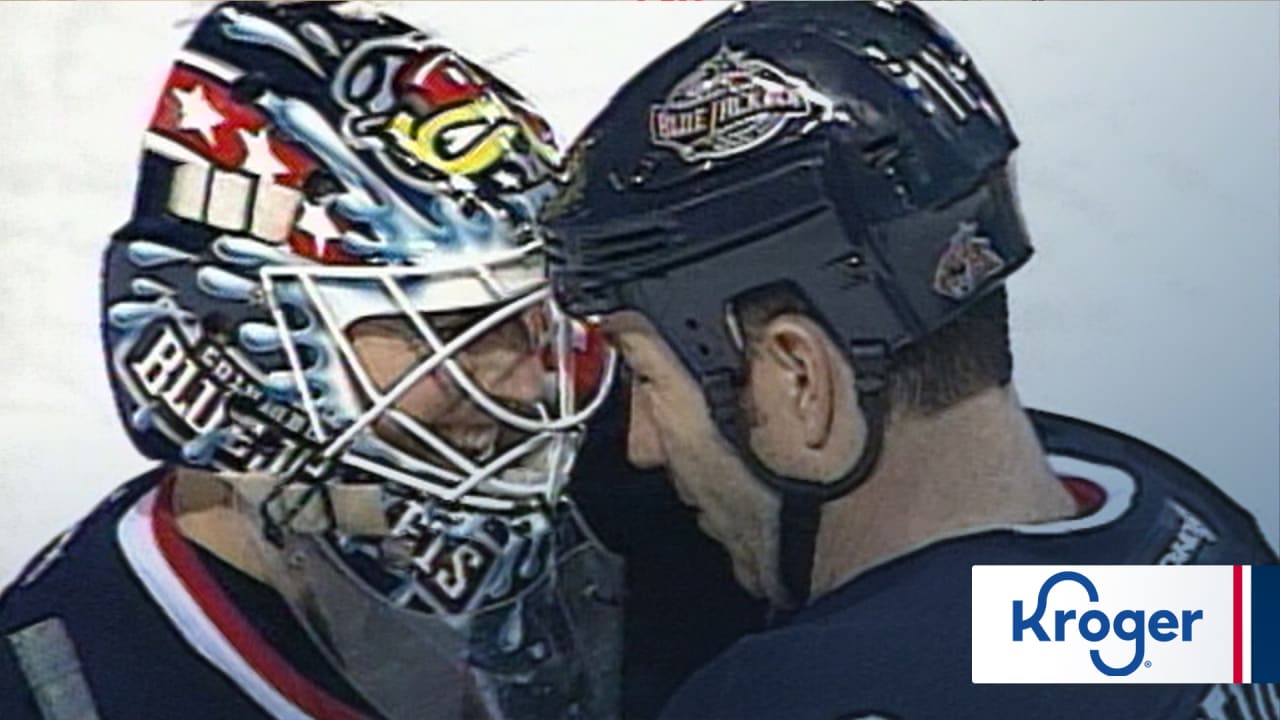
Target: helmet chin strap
{"type": "Point", "coordinates": [308, 508]}
{"type": "Point", "coordinates": [800, 516]}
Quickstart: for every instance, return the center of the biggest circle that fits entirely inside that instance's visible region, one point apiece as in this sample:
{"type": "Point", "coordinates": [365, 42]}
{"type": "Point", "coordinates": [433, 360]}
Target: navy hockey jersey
{"type": "Point", "coordinates": [123, 611]}
{"type": "Point", "coordinates": [121, 618]}
{"type": "Point", "coordinates": [894, 643]}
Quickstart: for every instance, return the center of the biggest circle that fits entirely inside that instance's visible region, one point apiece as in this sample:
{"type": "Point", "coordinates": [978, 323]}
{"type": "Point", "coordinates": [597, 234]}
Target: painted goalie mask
{"type": "Point", "coordinates": [315, 175]}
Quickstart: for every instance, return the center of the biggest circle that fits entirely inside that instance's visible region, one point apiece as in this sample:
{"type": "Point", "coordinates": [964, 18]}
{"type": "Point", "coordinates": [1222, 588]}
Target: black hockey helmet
{"type": "Point", "coordinates": [847, 150]}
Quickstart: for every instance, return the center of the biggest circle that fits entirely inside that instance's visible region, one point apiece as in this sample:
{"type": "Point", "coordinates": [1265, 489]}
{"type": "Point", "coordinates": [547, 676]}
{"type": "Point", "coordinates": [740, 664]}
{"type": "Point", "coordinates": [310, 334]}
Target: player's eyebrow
{"type": "Point", "coordinates": [620, 322]}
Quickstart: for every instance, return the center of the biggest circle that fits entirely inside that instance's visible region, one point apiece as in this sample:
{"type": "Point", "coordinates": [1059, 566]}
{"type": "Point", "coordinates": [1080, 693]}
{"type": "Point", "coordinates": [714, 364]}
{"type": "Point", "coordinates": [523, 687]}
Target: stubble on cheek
{"type": "Point", "coordinates": [733, 508]}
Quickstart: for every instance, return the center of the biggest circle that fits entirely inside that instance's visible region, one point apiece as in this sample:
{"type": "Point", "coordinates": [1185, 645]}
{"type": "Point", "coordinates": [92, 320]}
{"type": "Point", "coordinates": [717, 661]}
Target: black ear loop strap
{"type": "Point", "coordinates": [800, 516]}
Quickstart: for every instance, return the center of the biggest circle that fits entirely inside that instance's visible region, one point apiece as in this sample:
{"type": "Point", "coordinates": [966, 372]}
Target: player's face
{"type": "Point", "coordinates": [505, 362]}
{"type": "Point", "coordinates": [670, 427]}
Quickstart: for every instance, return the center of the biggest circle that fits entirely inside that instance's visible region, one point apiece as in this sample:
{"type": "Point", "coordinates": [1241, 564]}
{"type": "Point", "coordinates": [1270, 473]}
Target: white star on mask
{"type": "Point", "coordinates": [196, 113]}
{"type": "Point", "coordinates": [259, 158]}
{"type": "Point", "coordinates": [315, 222]}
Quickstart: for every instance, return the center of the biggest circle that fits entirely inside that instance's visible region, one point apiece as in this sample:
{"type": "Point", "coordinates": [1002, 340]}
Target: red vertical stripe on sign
{"type": "Point", "coordinates": [1237, 603]}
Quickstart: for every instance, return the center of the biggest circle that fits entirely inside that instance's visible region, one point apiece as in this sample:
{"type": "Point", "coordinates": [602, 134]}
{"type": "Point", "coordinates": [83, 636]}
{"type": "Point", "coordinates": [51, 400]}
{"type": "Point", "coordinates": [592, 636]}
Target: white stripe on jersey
{"type": "Point", "coordinates": [137, 541]}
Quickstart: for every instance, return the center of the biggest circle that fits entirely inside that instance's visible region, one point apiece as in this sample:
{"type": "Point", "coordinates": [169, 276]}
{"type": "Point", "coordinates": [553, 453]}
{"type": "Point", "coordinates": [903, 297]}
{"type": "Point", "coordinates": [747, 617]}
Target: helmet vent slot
{"type": "Point", "coordinates": [880, 153]}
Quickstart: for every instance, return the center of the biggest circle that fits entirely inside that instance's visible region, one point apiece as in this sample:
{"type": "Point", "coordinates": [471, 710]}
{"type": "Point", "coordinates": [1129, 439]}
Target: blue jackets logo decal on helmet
{"type": "Point", "coordinates": [730, 104]}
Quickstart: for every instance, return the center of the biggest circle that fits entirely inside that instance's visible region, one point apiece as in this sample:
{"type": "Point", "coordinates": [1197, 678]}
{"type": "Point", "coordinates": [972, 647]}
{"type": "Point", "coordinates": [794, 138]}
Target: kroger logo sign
{"type": "Point", "coordinates": [1111, 624]}
{"type": "Point", "coordinates": [1133, 626]}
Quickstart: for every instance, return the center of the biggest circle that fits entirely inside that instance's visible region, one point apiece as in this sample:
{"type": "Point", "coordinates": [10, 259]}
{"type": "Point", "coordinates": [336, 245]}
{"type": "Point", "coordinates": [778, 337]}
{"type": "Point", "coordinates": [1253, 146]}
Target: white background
{"type": "Point", "coordinates": [1205, 658]}
{"type": "Point", "coordinates": [1150, 173]}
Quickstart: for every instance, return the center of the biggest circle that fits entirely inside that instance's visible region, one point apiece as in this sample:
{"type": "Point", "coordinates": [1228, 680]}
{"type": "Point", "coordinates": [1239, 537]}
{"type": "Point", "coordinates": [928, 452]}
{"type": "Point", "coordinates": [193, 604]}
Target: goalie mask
{"type": "Point", "coordinates": [318, 180]}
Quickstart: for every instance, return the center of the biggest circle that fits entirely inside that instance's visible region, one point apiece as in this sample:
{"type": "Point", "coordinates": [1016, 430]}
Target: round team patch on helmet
{"type": "Point", "coordinates": [732, 103]}
{"type": "Point", "coordinates": [966, 263]}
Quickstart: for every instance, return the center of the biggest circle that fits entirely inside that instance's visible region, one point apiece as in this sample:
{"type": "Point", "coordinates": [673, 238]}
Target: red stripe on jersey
{"type": "Point", "coordinates": [1089, 496]}
{"type": "Point", "coordinates": [1237, 625]}
{"type": "Point", "coordinates": [206, 593]}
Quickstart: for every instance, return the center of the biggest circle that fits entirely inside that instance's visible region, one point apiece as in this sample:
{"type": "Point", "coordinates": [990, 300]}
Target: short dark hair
{"type": "Point", "coordinates": [962, 358]}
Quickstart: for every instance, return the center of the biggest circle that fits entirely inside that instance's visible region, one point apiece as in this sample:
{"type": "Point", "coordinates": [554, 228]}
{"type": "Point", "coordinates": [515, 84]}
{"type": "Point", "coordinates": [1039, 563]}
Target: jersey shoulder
{"type": "Point", "coordinates": [904, 654]}
{"type": "Point", "coordinates": [70, 570]}
{"type": "Point", "coordinates": [890, 644]}
{"type": "Point", "coordinates": [1171, 515]}
{"type": "Point", "coordinates": [78, 631]}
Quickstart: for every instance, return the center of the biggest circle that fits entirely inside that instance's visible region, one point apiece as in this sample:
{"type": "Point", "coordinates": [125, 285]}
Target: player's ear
{"type": "Point", "coordinates": [797, 350]}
